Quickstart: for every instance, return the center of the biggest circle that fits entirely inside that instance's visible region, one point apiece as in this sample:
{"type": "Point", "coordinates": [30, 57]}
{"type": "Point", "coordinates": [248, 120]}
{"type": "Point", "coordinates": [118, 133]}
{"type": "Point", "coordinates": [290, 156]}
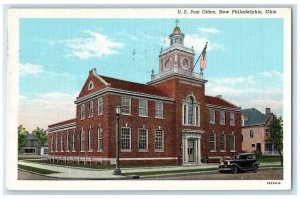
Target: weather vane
{"type": "Point", "coordinates": [176, 21]}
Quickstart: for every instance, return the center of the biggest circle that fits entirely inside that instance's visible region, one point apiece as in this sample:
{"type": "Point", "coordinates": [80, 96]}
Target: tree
{"type": "Point", "coordinates": [41, 134]}
{"type": "Point", "coordinates": [22, 135]}
{"type": "Point", "coordinates": [276, 133]}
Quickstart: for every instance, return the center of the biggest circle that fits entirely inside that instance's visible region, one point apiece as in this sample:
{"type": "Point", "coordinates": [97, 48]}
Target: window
{"type": "Point", "coordinates": [91, 86]}
{"type": "Point", "coordinates": [267, 132]}
{"type": "Point", "coordinates": [191, 113]}
{"type": "Point", "coordinates": [91, 113]}
{"type": "Point", "coordinates": [232, 142]}
{"type": "Point", "coordinates": [159, 109]}
{"type": "Point", "coordinates": [61, 141]}
{"type": "Point", "coordinates": [223, 142]}
{"type": "Point", "coordinates": [100, 105]}
{"type": "Point", "coordinates": [67, 142]}
{"type": "Point", "coordinates": [212, 142]}
{"type": "Point", "coordinates": [232, 119]}
{"type": "Point", "coordinates": [82, 111]}
{"type": "Point", "coordinates": [222, 117]}
{"type": "Point", "coordinates": [100, 139]}
{"type": "Point", "coordinates": [52, 142]}
{"type": "Point", "coordinates": [159, 140]}
{"type": "Point", "coordinates": [56, 142]}
{"type": "Point", "coordinates": [91, 144]}
{"type": "Point", "coordinates": [82, 139]}
{"type": "Point", "coordinates": [143, 107]}
{"type": "Point", "coordinates": [74, 141]}
{"type": "Point", "coordinates": [143, 139]}
{"type": "Point", "coordinates": [212, 116]}
{"type": "Point", "coordinates": [126, 138]}
{"type": "Point", "coordinates": [253, 145]}
{"type": "Point", "coordinates": [251, 133]}
{"type": "Point", "coordinates": [126, 105]}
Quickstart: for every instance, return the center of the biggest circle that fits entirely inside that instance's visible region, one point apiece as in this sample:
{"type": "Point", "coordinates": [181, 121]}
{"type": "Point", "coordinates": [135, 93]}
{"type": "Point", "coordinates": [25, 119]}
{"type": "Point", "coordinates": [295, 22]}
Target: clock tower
{"type": "Point", "coordinates": [177, 57]}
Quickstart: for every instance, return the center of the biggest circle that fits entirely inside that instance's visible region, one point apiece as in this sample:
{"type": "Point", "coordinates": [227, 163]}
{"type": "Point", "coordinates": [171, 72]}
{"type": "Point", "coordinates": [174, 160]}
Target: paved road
{"type": "Point", "coordinates": [276, 174]}
{"type": "Point", "coordinates": [23, 175]}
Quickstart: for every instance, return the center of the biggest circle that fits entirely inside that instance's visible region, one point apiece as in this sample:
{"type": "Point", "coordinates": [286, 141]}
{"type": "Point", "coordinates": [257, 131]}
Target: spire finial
{"type": "Point", "coordinates": [177, 21]}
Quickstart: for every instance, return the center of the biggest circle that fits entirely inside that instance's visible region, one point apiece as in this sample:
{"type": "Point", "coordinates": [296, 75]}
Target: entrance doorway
{"type": "Point", "coordinates": [191, 150]}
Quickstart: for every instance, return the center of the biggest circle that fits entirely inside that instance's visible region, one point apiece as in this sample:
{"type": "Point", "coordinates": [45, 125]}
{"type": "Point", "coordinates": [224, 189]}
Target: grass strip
{"type": "Point", "coordinates": [145, 173]}
{"type": "Point", "coordinates": [36, 170]}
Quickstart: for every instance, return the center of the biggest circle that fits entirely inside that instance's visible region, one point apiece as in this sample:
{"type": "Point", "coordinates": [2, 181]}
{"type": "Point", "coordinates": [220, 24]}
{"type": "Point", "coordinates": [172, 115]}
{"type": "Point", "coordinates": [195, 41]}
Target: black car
{"type": "Point", "coordinates": [239, 163]}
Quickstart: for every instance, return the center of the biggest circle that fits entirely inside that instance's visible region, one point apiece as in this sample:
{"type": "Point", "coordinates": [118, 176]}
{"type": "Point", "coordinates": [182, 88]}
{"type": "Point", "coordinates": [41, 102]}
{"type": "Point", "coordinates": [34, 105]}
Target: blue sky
{"type": "Point", "coordinates": [244, 59]}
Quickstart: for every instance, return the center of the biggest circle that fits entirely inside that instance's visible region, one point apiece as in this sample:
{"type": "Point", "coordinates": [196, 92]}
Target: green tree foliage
{"type": "Point", "coordinates": [276, 132]}
{"type": "Point", "coordinates": [41, 135]}
{"type": "Point", "coordinates": [22, 135]}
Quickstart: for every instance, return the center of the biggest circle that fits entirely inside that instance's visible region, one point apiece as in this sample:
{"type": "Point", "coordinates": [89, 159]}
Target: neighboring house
{"type": "Point", "coordinates": [33, 146]}
{"type": "Point", "coordinates": [169, 120]}
{"type": "Point", "coordinates": [255, 130]}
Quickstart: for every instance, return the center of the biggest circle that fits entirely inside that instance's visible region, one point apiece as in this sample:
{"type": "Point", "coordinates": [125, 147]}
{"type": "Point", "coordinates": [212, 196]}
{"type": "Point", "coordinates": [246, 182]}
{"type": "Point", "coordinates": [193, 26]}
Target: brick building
{"type": "Point", "coordinates": [169, 120]}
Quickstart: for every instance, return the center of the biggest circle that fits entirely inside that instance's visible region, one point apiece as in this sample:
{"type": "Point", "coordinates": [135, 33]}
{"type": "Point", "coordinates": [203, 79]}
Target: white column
{"type": "Point", "coordinates": [186, 150]}
{"type": "Point", "coordinates": [199, 150]}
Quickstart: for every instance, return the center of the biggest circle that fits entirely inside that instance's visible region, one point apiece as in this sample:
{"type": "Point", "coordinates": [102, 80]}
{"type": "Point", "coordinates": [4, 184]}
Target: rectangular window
{"type": "Point", "coordinates": [61, 141]}
{"type": "Point", "coordinates": [67, 142]}
{"type": "Point", "coordinates": [126, 139]}
{"type": "Point", "coordinates": [232, 142]}
{"type": "Point", "coordinates": [91, 113]}
{"type": "Point", "coordinates": [143, 139]}
{"type": "Point", "coordinates": [159, 109]}
{"type": "Point", "coordinates": [159, 140]}
{"type": "Point", "coordinates": [100, 105]}
{"type": "Point", "coordinates": [143, 107]}
{"type": "Point", "coordinates": [251, 133]}
{"type": "Point", "coordinates": [222, 142]}
{"type": "Point", "coordinates": [212, 116]}
{"type": "Point", "coordinates": [212, 142]}
{"type": "Point", "coordinates": [56, 142]}
{"type": "Point", "coordinates": [232, 123]}
{"type": "Point", "coordinates": [267, 132]}
{"type": "Point", "coordinates": [82, 111]}
{"type": "Point", "coordinates": [184, 115]}
{"type": "Point", "coordinates": [100, 139]}
{"type": "Point", "coordinates": [197, 115]}
{"type": "Point", "coordinates": [253, 145]}
{"type": "Point", "coordinates": [52, 142]}
{"type": "Point", "coordinates": [91, 144]}
{"type": "Point", "coordinates": [126, 105]}
{"type": "Point", "coordinates": [222, 117]}
{"type": "Point", "coordinates": [74, 141]}
{"type": "Point", "coordinates": [82, 139]}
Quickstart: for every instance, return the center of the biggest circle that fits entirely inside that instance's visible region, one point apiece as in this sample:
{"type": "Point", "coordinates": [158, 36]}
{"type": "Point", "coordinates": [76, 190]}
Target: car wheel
{"type": "Point", "coordinates": [255, 168]}
{"type": "Point", "coordinates": [234, 169]}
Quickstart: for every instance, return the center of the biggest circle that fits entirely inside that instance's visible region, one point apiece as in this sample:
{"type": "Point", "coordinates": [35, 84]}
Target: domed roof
{"type": "Point", "coordinates": [176, 30]}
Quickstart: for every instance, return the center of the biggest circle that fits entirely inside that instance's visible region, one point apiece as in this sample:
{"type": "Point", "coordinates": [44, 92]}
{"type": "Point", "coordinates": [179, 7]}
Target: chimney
{"type": "Point", "coordinates": [219, 96]}
{"type": "Point", "coordinates": [92, 71]}
{"type": "Point", "coordinates": [268, 111]}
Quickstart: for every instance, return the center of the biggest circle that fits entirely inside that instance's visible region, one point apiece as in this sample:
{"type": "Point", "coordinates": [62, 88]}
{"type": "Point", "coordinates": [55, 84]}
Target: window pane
{"type": "Point", "coordinates": [100, 105]}
{"type": "Point", "coordinates": [212, 116]}
{"type": "Point", "coordinates": [143, 111]}
{"type": "Point", "coordinates": [143, 139]}
{"type": "Point", "coordinates": [159, 140]}
{"type": "Point", "coordinates": [212, 141]}
{"type": "Point", "coordinates": [159, 109]}
{"type": "Point", "coordinates": [125, 103]}
{"type": "Point", "coordinates": [125, 138]}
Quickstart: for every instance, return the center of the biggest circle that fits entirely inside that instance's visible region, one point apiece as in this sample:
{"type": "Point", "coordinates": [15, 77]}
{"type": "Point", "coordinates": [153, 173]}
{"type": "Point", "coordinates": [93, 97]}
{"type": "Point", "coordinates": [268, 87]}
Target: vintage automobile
{"type": "Point", "coordinates": [240, 163]}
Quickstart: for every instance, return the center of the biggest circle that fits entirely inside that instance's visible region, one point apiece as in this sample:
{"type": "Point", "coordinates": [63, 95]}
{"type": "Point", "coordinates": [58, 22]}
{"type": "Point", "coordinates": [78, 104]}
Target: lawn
{"type": "Point", "coordinates": [269, 159]}
{"type": "Point", "coordinates": [36, 170]}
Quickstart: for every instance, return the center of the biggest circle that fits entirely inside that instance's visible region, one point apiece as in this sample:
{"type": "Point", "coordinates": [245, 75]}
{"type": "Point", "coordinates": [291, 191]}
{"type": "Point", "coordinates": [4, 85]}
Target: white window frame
{"type": "Point", "coordinates": [224, 142]}
{"type": "Point", "coordinates": [232, 119]}
{"type": "Point", "coordinates": [82, 140]}
{"type": "Point", "coordinates": [62, 142]}
{"type": "Point", "coordinates": [158, 142]}
{"type": "Point", "coordinates": [212, 141]}
{"type": "Point", "coordinates": [159, 109]}
{"type": "Point", "coordinates": [143, 130]}
{"type": "Point", "coordinates": [222, 119]}
{"type": "Point", "coordinates": [91, 108]}
{"type": "Point", "coordinates": [124, 106]}
{"type": "Point", "coordinates": [52, 142]}
{"type": "Point", "coordinates": [67, 141]}
{"type": "Point", "coordinates": [90, 140]}
{"type": "Point", "coordinates": [100, 105]}
{"type": "Point", "coordinates": [251, 133]}
{"type": "Point", "coordinates": [210, 114]}
{"type": "Point", "coordinates": [82, 111]}
{"type": "Point", "coordinates": [74, 141]}
{"type": "Point", "coordinates": [143, 110]}
{"type": "Point", "coordinates": [232, 135]}
{"type": "Point", "coordinates": [91, 85]}
{"type": "Point", "coordinates": [100, 138]}
{"type": "Point", "coordinates": [196, 113]}
{"type": "Point", "coordinates": [56, 142]}
{"type": "Point", "coordinates": [125, 138]}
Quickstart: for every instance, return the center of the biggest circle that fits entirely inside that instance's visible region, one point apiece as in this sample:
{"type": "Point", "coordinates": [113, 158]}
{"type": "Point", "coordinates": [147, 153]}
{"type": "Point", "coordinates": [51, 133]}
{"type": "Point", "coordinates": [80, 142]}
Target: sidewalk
{"type": "Point", "coordinates": [69, 172]}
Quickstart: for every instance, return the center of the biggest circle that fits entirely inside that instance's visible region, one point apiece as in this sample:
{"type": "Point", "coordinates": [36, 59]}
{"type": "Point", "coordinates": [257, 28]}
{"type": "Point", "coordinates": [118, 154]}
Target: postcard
{"type": "Point", "coordinates": [185, 98]}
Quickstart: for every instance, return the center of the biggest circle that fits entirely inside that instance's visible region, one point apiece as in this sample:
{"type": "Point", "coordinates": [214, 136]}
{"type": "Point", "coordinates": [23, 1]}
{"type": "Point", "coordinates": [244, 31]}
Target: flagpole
{"type": "Point", "coordinates": [198, 60]}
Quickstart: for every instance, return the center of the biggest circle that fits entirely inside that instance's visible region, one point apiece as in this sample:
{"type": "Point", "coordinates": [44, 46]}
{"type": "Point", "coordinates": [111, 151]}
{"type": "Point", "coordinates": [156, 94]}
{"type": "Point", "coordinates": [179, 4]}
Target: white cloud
{"type": "Point", "coordinates": [198, 43]}
{"type": "Point", "coordinates": [208, 30]}
{"type": "Point", "coordinates": [233, 80]}
{"type": "Point", "coordinates": [272, 73]}
{"type": "Point", "coordinates": [30, 69]}
{"type": "Point", "coordinates": [93, 45]}
{"type": "Point", "coordinates": [46, 108]}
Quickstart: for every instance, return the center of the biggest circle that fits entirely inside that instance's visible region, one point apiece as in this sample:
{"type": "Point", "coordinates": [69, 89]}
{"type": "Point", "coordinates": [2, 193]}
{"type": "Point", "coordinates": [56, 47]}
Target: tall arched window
{"type": "Point", "coordinates": [190, 112]}
{"type": "Point", "coordinates": [82, 139]}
